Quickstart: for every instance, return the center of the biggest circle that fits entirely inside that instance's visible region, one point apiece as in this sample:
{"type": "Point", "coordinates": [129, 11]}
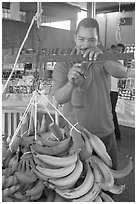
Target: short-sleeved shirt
{"type": "Point", "coordinates": [96, 116]}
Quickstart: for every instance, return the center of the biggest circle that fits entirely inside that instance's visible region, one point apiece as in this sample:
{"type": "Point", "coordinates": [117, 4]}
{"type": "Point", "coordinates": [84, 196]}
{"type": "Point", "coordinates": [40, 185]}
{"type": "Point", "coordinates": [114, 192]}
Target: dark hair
{"type": "Point", "coordinates": [88, 23]}
{"type": "Point", "coordinates": [121, 45]}
{"type": "Point", "coordinates": [113, 46]}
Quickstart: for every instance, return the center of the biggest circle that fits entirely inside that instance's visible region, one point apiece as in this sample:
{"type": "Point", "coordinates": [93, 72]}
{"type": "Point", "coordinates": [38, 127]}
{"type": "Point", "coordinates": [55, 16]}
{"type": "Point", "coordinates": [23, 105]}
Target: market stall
{"type": "Point", "coordinates": [46, 158]}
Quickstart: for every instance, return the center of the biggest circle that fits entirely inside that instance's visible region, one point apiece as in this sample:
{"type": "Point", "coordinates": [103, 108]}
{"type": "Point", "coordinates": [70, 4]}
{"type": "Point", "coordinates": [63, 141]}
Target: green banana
{"type": "Point", "coordinates": [105, 197]}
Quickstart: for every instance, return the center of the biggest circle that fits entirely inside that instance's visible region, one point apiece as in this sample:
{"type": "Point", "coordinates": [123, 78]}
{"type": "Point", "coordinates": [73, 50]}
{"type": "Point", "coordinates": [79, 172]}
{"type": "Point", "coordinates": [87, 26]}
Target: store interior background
{"type": "Point", "coordinates": [13, 32]}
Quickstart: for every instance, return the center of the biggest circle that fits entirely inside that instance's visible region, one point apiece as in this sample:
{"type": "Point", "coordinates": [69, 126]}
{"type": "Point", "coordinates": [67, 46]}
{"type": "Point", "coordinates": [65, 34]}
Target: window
{"type": "Point", "coordinates": [55, 22]}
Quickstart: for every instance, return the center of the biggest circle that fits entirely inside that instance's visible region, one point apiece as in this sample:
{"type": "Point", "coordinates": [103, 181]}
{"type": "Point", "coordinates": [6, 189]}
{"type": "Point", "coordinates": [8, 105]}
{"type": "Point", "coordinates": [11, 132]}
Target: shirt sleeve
{"type": "Point", "coordinates": [60, 73]}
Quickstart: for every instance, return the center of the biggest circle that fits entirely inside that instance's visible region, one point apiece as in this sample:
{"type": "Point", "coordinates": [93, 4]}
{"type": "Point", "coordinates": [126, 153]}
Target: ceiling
{"type": "Point", "coordinates": [107, 6]}
{"type": "Point", "coordinates": [101, 7]}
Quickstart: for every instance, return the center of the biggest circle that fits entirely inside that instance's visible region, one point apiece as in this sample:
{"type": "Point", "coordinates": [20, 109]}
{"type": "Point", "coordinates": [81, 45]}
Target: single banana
{"type": "Point", "coordinates": [99, 147]}
{"type": "Point", "coordinates": [62, 146]}
{"type": "Point", "coordinates": [70, 179]}
{"type": "Point", "coordinates": [19, 195]}
{"type": "Point", "coordinates": [15, 142]}
{"type": "Point", "coordinates": [36, 196]}
{"type": "Point", "coordinates": [88, 146]}
{"type": "Point", "coordinates": [97, 199]}
{"type": "Point", "coordinates": [105, 197]}
{"type": "Point", "coordinates": [117, 189]}
{"type": "Point", "coordinates": [8, 171]}
{"type": "Point", "coordinates": [59, 198]}
{"type": "Point", "coordinates": [80, 190]}
{"type": "Point", "coordinates": [90, 195]}
{"type": "Point", "coordinates": [47, 139]}
{"type": "Point", "coordinates": [59, 161]}
{"type": "Point", "coordinates": [44, 124]}
{"type": "Point", "coordinates": [26, 177]}
{"type": "Point", "coordinates": [39, 175]}
{"type": "Point", "coordinates": [56, 173]}
{"type": "Point", "coordinates": [123, 172]}
{"type": "Point", "coordinates": [97, 172]}
{"type": "Point", "coordinates": [55, 129]}
{"type": "Point", "coordinates": [37, 188]}
{"type": "Point", "coordinates": [4, 180]}
{"type": "Point", "coordinates": [107, 175]}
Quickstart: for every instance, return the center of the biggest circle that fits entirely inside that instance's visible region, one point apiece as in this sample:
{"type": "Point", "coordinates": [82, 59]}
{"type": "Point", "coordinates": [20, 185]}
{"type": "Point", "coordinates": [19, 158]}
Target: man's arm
{"type": "Point", "coordinates": [115, 69]}
{"type": "Point", "coordinates": [63, 94]}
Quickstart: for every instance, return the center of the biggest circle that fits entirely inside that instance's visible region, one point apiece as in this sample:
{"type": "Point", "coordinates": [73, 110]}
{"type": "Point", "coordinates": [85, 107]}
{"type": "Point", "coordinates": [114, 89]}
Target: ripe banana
{"type": "Point", "coordinates": [117, 189]}
{"type": "Point", "coordinates": [40, 175]}
{"type": "Point", "coordinates": [97, 172]}
{"type": "Point", "coordinates": [70, 179]}
{"type": "Point", "coordinates": [37, 188]}
{"type": "Point", "coordinates": [107, 175]}
{"type": "Point", "coordinates": [9, 191]}
{"type": "Point", "coordinates": [59, 198]}
{"type": "Point", "coordinates": [90, 195]}
{"type": "Point", "coordinates": [36, 196]}
{"type": "Point", "coordinates": [99, 147]}
{"type": "Point", "coordinates": [24, 177]}
{"type": "Point", "coordinates": [98, 199]}
{"type": "Point", "coordinates": [7, 171]}
{"type": "Point", "coordinates": [62, 146]}
{"type": "Point", "coordinates": [19, 195]}
{"type": "Point", "coordinates": [80, 190]}
{"type": "Point", "coordinates": [15, 142]}
{"type": "Point", "coordinates": [47, 139]}
{"type": "Point", "coordinates": [59, 161]}
{"type": "Point", "coordinates": [88, 146]}
{"type": "Point", "coordinates": [44, 125]}
{"type": "Point", "coordinates": [56, 173]}
{"type": "Point", "coordinates": [11, 181]}
{"type": "Point", "coordinates": [105, 197]}
{"type": "Point", "coordinates": [55, 129]}
{"type": "Point", "coordinates": [123, 172]}
{"type": "Point", "coordinates": [4, 179]}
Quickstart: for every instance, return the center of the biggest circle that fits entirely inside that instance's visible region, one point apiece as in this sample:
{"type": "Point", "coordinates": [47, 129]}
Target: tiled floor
{"type": "Point", "coordinates": [126, 146]}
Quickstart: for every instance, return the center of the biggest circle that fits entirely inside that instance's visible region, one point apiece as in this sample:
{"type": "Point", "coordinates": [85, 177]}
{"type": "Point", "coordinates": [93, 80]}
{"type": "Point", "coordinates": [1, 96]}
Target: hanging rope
{"type": "Point", "coordinates": [119, 22]}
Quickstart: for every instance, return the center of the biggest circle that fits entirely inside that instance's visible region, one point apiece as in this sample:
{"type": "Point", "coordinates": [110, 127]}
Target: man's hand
{"type": "Point", "coordinates": [92, 53]}
{"type": "Point", "coordinates": [75, 75]}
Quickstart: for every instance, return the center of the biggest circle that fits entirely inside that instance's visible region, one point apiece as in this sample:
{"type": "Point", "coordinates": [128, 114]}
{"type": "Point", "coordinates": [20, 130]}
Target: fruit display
{"type": "Point", "coordinates": [50, 164]}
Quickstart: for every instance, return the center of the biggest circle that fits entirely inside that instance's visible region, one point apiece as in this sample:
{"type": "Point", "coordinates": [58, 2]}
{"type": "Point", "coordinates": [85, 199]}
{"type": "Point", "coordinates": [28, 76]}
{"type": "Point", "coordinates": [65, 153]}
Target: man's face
{"type": "Point", "coordinates": [119, 49]}
{"type": "Point", "coordinates": [86, 38]}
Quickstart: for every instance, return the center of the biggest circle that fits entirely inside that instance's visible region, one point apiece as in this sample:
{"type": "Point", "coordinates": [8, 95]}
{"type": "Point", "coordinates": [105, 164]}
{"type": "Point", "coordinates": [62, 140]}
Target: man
{"type": "Point", "coordinates": [120, 48]}
{"type": "Point", "coordinates": [94, 78]}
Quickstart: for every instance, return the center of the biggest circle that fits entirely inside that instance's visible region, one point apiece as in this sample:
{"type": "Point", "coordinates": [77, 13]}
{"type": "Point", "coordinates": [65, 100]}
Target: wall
{"type": "Point", "coordinates": [13, 33]}
{"type": "Point", "coordinates": [127, 32]}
